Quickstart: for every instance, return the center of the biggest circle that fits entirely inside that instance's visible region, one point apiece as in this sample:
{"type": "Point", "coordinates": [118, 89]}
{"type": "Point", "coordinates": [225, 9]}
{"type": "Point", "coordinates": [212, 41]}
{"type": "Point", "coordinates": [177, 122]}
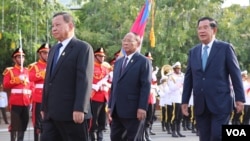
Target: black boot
{"type": "Point", "coordinates": [13, 136]}
{"type": "Point", "coordinates": [167, 125]}
{"type": "Point", "coordinates": [173, 127]}
{"type": "Point", "coordinates": [20, 135]}
{"type": "Point", "coordinates": [184, 124]}
{"type": "Point", "coordinates": [37, 134]}
{"type": "Point", "coordinates": [5, 117]}
{"type": "Point", "coordinates": [163, 126]}
{"type": "Point", "coordinates": [124, 136]}
{"type": "Point", "coordinates": [93, 136]}
{"type": "Point", "coordinates": [197, 132]}
{"type": "Point", "coordinates": [150, 131]}
{"type": "Point", "coordinates": [193, 128]}
{"type": "Point", "coordinates": [100, 136]}
{"type": "Point", "coordinates": [178, 130]}
{"type": "Point", "coordinates": [147, 137]}
{"type": "Point", "coordinates": [188, 125]}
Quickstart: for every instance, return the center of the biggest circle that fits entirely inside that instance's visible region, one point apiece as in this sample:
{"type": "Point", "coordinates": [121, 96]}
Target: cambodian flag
{"type": "Point", "coordinates": [140, 22]}
{"type": "Point", "coordinates": [139, 25]}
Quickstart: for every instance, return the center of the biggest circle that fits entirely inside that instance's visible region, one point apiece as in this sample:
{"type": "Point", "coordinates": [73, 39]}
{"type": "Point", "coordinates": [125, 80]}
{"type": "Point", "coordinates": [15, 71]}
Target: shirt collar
{"type": "Point", "coordinates": [130, 56]}
{"type": "Point", "coordinates": [209, 44]}
{"type": "Point", "coordinates": [66, 42]}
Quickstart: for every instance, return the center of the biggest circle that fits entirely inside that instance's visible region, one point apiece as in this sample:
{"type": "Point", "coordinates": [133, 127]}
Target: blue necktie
{"type": "Point", "coordinates": [124, 64]}
{"type": "Point", "coordinates": [204, 57]}
{"type": "Point", "coordinates": [56, 56]}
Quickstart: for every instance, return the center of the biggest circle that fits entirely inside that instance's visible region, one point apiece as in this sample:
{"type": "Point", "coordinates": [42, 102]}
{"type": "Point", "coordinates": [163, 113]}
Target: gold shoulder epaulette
{"type": "Point", "coordinates": [31, 65]}
{"type": "Point", "coordinates": [7, 70]}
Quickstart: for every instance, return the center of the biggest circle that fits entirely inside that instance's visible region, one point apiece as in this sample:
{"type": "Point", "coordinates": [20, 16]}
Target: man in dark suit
{"type": "Point", "coordinates": [129, 91]}
{"type": "Point", "coordinates": [67, 87]}
{"type": "Point", "coordinates": [210, 66]}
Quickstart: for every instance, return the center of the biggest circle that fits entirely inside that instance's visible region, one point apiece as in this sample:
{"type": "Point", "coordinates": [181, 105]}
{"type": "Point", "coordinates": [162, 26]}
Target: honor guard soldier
{"type": "Point", "coordinates": [37, 72]}
{"type": "Point", "coordinates": [176, 87]}
{"type": "Point", "coordinates": [16, 79]}
{"type": "Point", "coordinates": [100, 94]}
{"type": "Point", "coordinates": [151, 102]}
{"type": "Point", "coordinates": [246, 86]}
{"type": "Point", "coordinates": [3, 103]}
{"type": "Point", "coordinates": [165, 99]}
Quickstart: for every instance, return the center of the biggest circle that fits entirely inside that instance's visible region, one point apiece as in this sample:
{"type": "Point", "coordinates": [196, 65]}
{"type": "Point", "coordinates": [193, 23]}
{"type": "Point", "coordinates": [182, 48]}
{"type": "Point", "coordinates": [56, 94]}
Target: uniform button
{"type": "Point", "coordinates": [202, 90]}
{"type": "Point", "coordinates": [203, 78]}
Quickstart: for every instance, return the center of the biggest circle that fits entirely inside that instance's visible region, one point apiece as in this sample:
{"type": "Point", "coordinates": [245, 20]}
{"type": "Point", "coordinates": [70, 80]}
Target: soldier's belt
{"type": "Point", "coordinates": [20, 91]}
{"type": "Point", "coordinates": [39, 86]}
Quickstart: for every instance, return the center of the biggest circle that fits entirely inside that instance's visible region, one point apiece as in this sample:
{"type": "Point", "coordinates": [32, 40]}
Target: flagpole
{"type": "Point", "coordinates": [21, 49]}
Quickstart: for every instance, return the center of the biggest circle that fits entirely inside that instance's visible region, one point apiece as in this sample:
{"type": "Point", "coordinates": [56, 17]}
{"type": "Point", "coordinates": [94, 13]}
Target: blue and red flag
{"type": "Point", "coordinates": [140, 22]}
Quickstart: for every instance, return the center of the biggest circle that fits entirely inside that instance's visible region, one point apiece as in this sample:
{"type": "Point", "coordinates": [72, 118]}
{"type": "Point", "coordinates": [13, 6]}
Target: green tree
{"type": "Point", "coordinates": [104, 22]}
{"type": "Point", "coordinates": [28, 19]}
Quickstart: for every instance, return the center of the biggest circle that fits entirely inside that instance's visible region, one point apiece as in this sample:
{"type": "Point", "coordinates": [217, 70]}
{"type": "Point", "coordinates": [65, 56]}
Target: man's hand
{"type": "Point", "coordinates": [239, 106]}
{"type": "Point", "coordinates": [42, 115]}
{"type": "Point", "coordinates": [109, 114]}
{"type": "Point", "coordinates": [78, 117]}
{"type": "Point", "coordinates": [141, 114]}
{"type": "Point", "coordinates": [184, 109]}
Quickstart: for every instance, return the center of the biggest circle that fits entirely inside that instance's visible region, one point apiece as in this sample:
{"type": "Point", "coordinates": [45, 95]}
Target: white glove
{"type": "Point", "coordinates": [95, 87]}
{"type": "Point", "coordinates": [22, 77]}
{"type": "Point", "coordinates": [156, 68]}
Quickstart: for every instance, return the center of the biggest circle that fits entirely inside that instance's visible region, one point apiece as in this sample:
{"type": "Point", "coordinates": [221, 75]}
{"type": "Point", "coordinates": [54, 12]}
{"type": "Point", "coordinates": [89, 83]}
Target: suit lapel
{"type": "Point", "coordinates": [63, 55]}
{"type": "Point", "coordinates": [215, 48]}
{"type": "Point", "coordinates": [199, 54]}
{"type": "Point", "coordinates": [131, 62]}
{"type": "Point", "coordinates": [50, 60]}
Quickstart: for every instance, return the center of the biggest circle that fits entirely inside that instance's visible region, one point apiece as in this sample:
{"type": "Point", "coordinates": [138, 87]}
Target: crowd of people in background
{"type": "Point", "coordinates": [78, 94]}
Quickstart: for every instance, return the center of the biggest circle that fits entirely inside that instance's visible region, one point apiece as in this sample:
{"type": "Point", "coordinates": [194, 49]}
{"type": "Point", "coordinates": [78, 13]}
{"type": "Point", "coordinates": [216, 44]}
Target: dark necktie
{"type": "Point", "coordinates": [56, 56]}
{"type": "Point", "coordinates": [124, 64]}
{"type": "Point", "coordinates": [204, 57]}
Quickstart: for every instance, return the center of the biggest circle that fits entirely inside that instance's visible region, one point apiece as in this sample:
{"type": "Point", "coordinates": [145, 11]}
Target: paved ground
{"type": "Point", "coordinates": [160, 135]}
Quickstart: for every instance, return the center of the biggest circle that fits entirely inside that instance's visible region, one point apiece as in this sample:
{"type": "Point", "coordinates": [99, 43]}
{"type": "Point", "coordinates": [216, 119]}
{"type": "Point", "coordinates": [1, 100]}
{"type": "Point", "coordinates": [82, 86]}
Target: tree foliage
{"type": "Point", "coordinates": [27, 20]}
{"type": "Point", "coordinates": [103, 23]}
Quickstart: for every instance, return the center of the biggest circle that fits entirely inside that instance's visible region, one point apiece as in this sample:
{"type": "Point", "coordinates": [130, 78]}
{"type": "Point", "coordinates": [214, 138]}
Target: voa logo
{"type": "Point", "coordinates": [236, 132]}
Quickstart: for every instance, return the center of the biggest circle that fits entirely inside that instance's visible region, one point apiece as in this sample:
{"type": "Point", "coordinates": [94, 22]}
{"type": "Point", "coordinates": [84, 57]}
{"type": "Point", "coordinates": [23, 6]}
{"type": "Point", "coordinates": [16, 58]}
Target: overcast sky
{"type": "Point", "coordinates": [226, 3]}
{"type": "Point", "coordinates": [230, 2]}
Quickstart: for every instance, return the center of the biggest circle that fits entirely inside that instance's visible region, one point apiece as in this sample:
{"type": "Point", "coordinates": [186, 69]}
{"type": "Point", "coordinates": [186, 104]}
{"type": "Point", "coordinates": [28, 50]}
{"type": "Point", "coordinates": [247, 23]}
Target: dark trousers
{"type": "Point", "coordinates": [169, 111]}
{"type": "Point", "coordinates": [19, 118]}
{"type": "Point", "coordinates": [36, 116]}
{"type": "Point", "coordinates": [3, 110]}
{"type": "Point", "coordinates": [163, 114]}
{"type": "Point", "coordinates": [177, 114]}
{"type": "Point", "coordinates": [132, 126]}
{"type": "Point", "coordinates": [246, 116]}
{"type": "Point", "coordinates": [64, 131]}
{"type": "Point", "coordinates": [150, 115]}
{"type": "Point", "coordinates": [36, 119]}
{"type": "Point", "coordinates": [98, 120]}
{"type": "Point", "coordinates": [236, 117]}
{"type": "Point", "coordinates": [210, 125]}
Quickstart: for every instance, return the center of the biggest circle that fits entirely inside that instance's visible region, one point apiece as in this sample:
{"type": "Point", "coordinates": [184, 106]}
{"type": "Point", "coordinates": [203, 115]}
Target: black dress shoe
{"type": "Point", "coordinates": [151, 133]}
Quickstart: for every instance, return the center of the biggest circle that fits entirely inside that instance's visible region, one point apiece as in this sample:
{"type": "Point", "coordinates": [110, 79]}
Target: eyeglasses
{"type": "Point", "coordinates": [128, 41]}
{"type": "Point", "coordinates": [100, 56]}
{"type": "Point", "coordinates": [19, 56]}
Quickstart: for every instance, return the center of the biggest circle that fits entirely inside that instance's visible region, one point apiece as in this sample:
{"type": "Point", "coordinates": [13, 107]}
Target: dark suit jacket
{"type": "Point", "coordinates": [130, 90]}
{"type": "Point", "coordinates": [69, 88]}
{"type": "Point", "coordinates": [211, 87]}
